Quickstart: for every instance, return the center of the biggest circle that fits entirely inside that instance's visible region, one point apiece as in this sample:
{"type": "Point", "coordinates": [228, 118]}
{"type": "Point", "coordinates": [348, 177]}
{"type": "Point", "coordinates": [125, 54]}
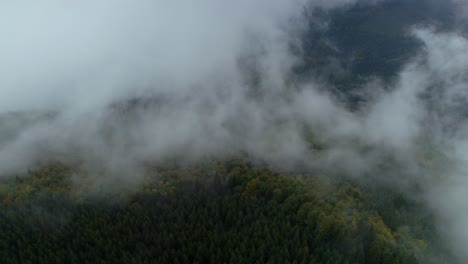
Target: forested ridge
{"type": "Point", "coordinates": [222, 212]}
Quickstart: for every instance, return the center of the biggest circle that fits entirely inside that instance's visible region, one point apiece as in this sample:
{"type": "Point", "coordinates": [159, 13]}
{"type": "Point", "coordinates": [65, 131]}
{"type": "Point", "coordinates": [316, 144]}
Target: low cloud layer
{"type": "Point", "coordinates": [202, 77]}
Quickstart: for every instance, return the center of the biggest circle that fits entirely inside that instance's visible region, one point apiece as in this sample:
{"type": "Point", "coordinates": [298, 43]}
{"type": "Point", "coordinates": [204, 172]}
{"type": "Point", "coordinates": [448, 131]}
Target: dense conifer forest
{"type": "Point", "coordinates": [222, 212]}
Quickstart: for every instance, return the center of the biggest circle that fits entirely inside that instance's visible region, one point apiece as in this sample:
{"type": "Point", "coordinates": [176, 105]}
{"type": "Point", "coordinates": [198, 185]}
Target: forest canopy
{"type": "Point", "coordinates": [220, 212]}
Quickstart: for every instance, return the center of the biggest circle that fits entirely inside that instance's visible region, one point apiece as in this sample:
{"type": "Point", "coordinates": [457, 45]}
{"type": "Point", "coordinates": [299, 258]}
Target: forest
{"type": "Point", "coordinates": [216, 212]}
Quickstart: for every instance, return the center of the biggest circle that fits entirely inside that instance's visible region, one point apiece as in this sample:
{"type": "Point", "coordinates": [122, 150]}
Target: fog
{"type": "Point", "coordinates": [114, 85]}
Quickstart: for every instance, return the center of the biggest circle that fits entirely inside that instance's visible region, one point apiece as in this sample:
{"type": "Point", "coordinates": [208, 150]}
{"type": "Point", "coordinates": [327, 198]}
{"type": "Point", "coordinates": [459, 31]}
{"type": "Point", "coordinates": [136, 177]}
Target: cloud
{"type": "Point", "coordinates": [446, 67]}
{"type": "Point", "coordinates": [214, 74]}
{"type": "Point", "coordinates": [421, 121]}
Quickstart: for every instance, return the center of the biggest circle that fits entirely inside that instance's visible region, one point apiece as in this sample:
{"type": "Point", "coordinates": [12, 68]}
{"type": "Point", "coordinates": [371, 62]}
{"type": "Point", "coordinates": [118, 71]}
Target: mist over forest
{"type": "Point", "coordinates": [301, 131]}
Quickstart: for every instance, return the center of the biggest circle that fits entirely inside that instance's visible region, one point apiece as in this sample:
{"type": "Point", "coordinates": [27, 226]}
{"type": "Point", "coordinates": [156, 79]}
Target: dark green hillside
{"type": "Point", "coordinates": [227, 212]}
{"type": "Point", "coordinates": [362, 41]}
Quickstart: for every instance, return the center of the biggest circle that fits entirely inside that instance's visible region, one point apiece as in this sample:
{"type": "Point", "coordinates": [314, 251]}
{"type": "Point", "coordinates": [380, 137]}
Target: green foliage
{"type": "Point", "coordinates": [226, 212]}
